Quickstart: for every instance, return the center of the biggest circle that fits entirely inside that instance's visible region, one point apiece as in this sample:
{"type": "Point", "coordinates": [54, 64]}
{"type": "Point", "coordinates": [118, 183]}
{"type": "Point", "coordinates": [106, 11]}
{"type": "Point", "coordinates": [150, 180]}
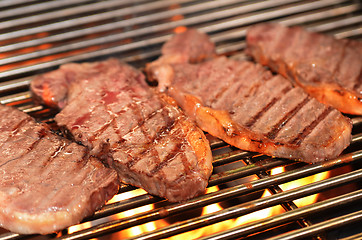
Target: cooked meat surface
{"type": "Point", "coordinates": [328, 69]}
{"type": "Point", "coordinates": [137, 131]}
{"type": "Point", "coordinates": [250, 108]}
{"type": "Point", "coordinates": [47, 183]}
{"type": "Point", "coordinates": [176, 50]}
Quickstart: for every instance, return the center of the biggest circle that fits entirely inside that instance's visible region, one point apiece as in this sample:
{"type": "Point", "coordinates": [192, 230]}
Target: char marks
{"type": "Point", "coordinates": [327, 68]}
{"type": "Point", "coordinates": [299, 139]}
{"type": "Point", "coordinates": [287, 117]}
{"type": "Point", "coordinates": [40, 172]}
{"type": "Point", "coordinates": [131, 128]}
{"type": "Point", "coordinates": [248, 107]}
{"type": "Point", "coordinates": [255, 118]}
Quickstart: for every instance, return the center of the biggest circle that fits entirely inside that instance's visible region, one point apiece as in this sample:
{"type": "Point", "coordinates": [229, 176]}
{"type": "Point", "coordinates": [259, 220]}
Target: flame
{"type": "Point", "coordinates": [301, 182]}
{"type": "Point", "coordinates": [136, 230]}
{"type": "Point", "coordinates": [213, 208]}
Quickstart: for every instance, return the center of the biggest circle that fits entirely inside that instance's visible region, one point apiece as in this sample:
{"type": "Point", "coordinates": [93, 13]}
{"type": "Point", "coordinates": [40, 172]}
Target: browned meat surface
{"type": "Point", "coordinates": [176, 51]}
{"type": "Point", "coordinates": [248, 107]}
{"type": "Point", "coordinates": [139, 132]}
{"type": "Point", "coordinates": [328, 69]}
{"type": "Point", "coordinates": [47, 183]}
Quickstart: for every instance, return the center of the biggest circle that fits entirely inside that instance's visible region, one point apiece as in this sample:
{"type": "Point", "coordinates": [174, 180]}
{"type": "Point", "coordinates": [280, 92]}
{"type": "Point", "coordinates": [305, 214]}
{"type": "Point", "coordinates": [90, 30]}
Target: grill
{"type": "Point", "coordinates": [37, 36]}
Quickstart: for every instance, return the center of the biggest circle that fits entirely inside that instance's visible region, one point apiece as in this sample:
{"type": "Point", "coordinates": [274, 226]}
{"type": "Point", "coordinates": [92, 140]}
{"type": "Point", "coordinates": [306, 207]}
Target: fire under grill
{"type": "Point", "coordinates": [38, 36]}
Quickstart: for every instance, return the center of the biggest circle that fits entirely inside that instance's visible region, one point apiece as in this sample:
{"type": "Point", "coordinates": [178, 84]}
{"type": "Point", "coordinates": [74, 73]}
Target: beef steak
{"type": "Point", "coordinates": [137, 131]}
{"type": "Point", "coordinates": [47, 183]}
{"type": "Point", "coordinates": [328, 69]}
{"type": "Point", "coordinates": [250, 108]}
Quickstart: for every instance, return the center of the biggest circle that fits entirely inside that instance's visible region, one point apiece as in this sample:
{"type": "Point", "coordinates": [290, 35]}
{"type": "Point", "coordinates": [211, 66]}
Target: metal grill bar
{"type": "Point", "coordinates": [294, 215]}
{"type": "Point", "coordinates": [9, 3]}
{"type": "Point", "coordinates": [80, 20]}
{"type": "Point", "coordinates": [34, 8]}
{"type": "Point", "coordinates": [354, 237]}
{"type": "Point", "coordinates": [326, 225]}
{"type": "Point", "coordinates": [124, 23]}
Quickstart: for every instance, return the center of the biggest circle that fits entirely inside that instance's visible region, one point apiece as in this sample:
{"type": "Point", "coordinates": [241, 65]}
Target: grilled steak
{"type": "Point", "coordinates": [250, 108]}
{"type": "Point", "coordinates": [328, 69]}
{"type": "Point", "coordinates": [140, 133]}
{"type": "Point", "coordinates": [47, 183]}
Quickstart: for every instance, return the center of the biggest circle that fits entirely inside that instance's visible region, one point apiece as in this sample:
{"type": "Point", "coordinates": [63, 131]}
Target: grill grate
{"type": "Point", "coordinates": [38, 36]}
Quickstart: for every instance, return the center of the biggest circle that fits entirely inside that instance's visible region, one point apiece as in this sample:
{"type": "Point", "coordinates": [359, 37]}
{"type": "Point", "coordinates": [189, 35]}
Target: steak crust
{"type": "Point", "coordinates": [137, 131]}
{"type": "Point", "coordinates": [250, 108]}
{"type": "Point", "coordinates": [328, 69]}
{"type": "Point", "coordinates": [47, 182]}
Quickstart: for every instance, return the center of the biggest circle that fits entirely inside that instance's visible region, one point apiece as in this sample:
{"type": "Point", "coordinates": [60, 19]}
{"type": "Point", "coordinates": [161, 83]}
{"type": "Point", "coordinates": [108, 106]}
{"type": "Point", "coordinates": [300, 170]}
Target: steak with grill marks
{"type": "Point", "coordinates": [328, 69]}
{"type": "Point", "coordinates": [47, 183]}
{"type": "Point", "coordinates": [250, 108]}
{"type": "Point", "coordinates": [137, 131]}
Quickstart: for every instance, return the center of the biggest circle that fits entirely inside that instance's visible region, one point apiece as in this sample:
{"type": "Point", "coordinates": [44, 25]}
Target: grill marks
{"type": "Point", "coordinates": [298, 140]}
{"type": "Point", "coordinates": [150, 146]}
{"type": "Point", "coordinates": [247, 106]}
{"type": "Point", "coordinates": [152, 141]}
{"type": "Point", "coordinates": [287, 117]}
{"type": "Point", "coordinates": [133, 129]}
{"type": "Point", "coordinates": [170, 157]}
{"type": "Point", "coordinates": [252, 121]}
{"type": "Point", "coordinates": [328, 69]}
{"type": "Point", "coordinates": [40, 174]}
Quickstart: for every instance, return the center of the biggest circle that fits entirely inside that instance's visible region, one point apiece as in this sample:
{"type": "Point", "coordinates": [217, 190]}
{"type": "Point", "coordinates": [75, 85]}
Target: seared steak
{"type": "Point", "coordinates": [47, 183]}
{"type": "Point", "coordinates": [140, 133]}
{"type": "Point", "coordinates": [328, 69]}
{"type": "Point", "coordinates": [250, 108]}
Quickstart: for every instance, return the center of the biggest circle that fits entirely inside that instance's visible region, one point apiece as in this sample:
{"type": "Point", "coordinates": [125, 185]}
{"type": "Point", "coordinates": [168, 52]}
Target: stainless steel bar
{"type": "Point", "coordinates": [11, 3]}
{"type": "Point", "coordinates": [14, 84]}
{"type": "Point", "coordinates": [228, 157]}
{"type": "Point", "coordinates": [319, 227]}
{"type": "Point", "coordinates": [245, 171]}
{"type": "Point", "coordinates": [356, 138]}
{"type": "Point", "coordinates": [116, 37]}
{"type": "Point", "coordinates": [203, 6]}
{"type": "Point", "coordinates": [12, 236]}
{"type": "Point", "coordinates": [149, 29]}
{"type": "Point", "coordinates": [349, 33]}
{"type": "Point", "coordinates": [124, 205]}
{"type": "Point", "coordinates": [283, 218]}
{"type": "Point", "coordinates": [33, 9]}
{"type": "Point", "coordinates": [357, 236]}
{"type": "Point", "coordinates": [87, 19]}
{"type": "Point", "coordinates": [133, 45]}
{"type": "Point", "coordinates": [266, 15]}
{"type": "Point", "coordinates": [252, 206]}
{"type": "Point", "coordinates": [15, 97]}
{"type": "Point", "coordinates": [337, 24]}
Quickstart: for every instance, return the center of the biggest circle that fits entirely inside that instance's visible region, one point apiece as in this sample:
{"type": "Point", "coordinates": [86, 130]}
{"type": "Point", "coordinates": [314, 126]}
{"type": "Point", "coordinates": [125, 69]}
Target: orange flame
{"type": "Point", "coordinates": [211, 229]}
